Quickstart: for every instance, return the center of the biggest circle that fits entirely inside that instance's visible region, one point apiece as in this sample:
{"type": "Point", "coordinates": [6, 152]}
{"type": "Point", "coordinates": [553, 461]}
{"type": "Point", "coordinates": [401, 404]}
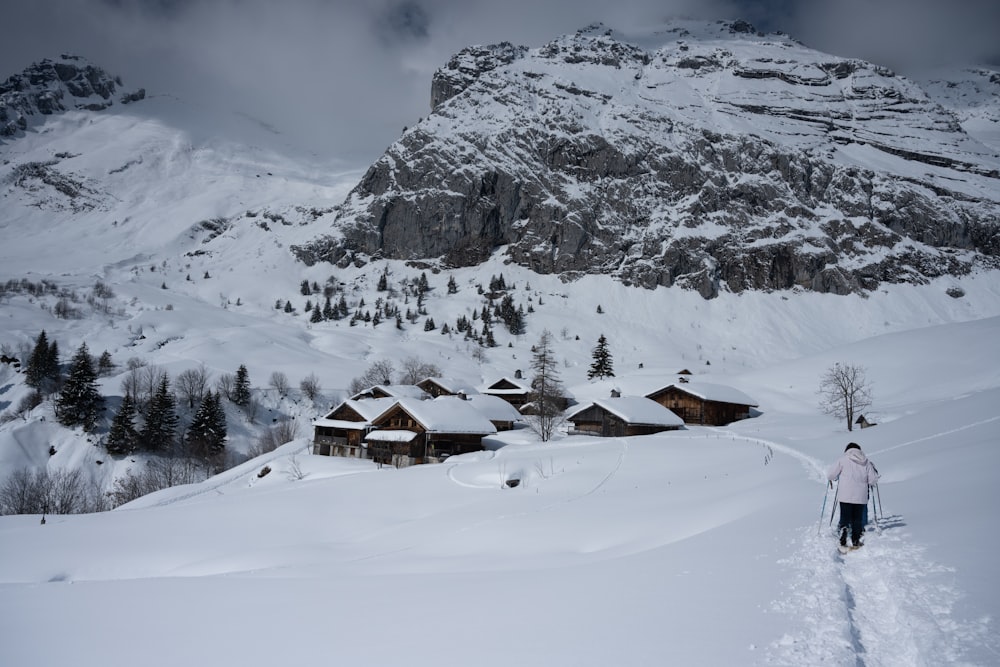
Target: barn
{"type": "Point", "coordinates": [621, 416]}
{"type": "Point", "coordinates": [703, 403]}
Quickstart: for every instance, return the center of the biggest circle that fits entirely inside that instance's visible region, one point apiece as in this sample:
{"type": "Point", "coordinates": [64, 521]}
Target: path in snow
{"type": "Point", "coordinates": [885, 605]}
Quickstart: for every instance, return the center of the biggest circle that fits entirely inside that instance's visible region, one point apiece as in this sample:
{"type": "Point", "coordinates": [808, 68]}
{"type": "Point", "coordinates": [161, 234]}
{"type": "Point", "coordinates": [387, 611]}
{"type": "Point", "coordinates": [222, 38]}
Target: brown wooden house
{"type": "Point", "coordinates": [391, 391]}
{"type": "Point", "coordinates": [412, 431]}
{"type": "Point", "coordinates": [515, 392]}
{"type": "Point", "coordinates": [621, 416]}
{"type": "Point", "coordinates": [703, 403]}
{"type": "Point", "coordinates": [341, 432]}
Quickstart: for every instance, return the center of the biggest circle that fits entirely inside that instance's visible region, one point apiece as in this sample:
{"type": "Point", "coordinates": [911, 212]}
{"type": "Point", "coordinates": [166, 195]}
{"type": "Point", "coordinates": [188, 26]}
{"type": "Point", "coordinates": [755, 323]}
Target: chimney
{"type": "Point", "coordinates": [616, 393]}
{"type": "Point", "coordinates": [517, 374]}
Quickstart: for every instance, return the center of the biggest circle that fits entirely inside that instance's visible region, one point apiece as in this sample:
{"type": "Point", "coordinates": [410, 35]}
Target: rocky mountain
{"type": "Point", "coordinates": [51, 86]}
{"type": "Point", "coordinates": [705, 155]}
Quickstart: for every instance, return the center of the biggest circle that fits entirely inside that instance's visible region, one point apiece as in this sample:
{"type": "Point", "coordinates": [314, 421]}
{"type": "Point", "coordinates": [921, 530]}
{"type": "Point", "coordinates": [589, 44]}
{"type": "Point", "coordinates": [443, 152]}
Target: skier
{"type": "Point", "coordinates": [856, 473]}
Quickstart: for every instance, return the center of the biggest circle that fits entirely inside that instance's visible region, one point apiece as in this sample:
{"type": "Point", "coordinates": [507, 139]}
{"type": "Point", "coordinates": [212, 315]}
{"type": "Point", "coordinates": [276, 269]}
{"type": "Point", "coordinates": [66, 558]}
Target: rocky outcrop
{"type": "Point", "coordinates": [658, 166]}
{"type": "Point", "coordinates": [53, 86]}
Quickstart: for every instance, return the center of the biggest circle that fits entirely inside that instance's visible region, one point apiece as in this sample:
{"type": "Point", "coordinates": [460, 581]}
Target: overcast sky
{"type": "Point", "coordinates": [351, 73]}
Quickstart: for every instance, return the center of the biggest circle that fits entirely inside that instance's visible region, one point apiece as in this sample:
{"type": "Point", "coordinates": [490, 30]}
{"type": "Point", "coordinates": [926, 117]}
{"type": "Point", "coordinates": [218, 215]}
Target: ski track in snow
{"type": "Point", "coordinates": [885, 605]}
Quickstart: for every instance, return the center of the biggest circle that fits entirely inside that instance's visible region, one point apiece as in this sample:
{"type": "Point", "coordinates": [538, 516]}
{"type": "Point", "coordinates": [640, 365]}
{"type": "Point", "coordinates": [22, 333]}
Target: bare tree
{"type": "Point", "coordinates": [310, 386]}
{"type": "Point", "coordinates": [279, 382]}
{"type": "Point", "coordinates": [845, 392]}
{"type": "Point", "coordinates": [416, 369]}
{"type": "Point", "coordinates": [225, 385]}
{"type": "Point", "coordinates": [191, 384]}
{"type": "Point", "coordinates": [380, 372]}
{"type": "Point", "coordinates": [274, 437]}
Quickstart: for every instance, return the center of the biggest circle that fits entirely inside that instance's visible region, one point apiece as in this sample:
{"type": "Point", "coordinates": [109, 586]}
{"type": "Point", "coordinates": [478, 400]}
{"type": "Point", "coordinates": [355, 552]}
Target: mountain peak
{"type": "Point", "coordinates": [705, 155]}
{"type": "Point", "coordinates": [52, 86]}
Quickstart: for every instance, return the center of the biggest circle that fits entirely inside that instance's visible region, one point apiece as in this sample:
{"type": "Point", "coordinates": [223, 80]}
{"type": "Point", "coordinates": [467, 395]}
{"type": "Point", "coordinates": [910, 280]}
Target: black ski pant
{"type": "Point", "coordinates": [852, 517]}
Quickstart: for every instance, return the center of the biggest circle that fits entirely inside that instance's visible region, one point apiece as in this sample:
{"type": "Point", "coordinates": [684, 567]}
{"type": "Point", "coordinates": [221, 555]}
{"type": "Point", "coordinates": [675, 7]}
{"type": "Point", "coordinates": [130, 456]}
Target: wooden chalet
{"type": "Point", "coordinates": [703, 403]}
{"type": "Point", "coordinates": [514, 391]}
{"type": "Point", "coordinates": [446, 387]}
{"type": "Point", "coordinates": [413, 431]}
{"type": "Point", "coordinates": [621, 416]}
{"type": "Point", "coordinates": [341, 432]}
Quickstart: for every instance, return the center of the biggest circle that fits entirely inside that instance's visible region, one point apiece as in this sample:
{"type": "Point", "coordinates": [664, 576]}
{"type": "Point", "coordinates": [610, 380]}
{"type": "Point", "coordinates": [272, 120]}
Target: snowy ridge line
{"type": "Point", "coordinates": [939, 434]}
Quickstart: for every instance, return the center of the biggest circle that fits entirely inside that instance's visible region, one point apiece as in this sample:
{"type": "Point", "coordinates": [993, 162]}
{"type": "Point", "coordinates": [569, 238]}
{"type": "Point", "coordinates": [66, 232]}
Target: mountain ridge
{"type": "Point", "coordinates": [723, 159]}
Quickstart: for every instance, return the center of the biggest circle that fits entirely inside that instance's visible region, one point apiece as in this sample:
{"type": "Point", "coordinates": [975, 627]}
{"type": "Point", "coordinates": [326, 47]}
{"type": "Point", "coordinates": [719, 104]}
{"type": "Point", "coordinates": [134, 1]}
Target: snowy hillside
{"type": "Point", "coordinates": [703, 546]}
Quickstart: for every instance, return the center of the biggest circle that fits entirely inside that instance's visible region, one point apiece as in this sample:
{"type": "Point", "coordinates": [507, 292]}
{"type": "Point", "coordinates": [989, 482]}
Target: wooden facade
{"type": "Point", "coordinates": [424, 444]}
{"type": "Point", "coordinates": [514, 392]}
{"type": "Point", "coordinates": [697, 409]}
{"type": "Point", "coordinates": [341, 433]}
{"type": "Point", "coordinates": [596, 420]}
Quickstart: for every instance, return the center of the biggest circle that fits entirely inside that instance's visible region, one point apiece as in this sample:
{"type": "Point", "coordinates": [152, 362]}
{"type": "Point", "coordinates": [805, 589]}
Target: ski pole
{"type": "Point", "coordinates": [834, 509]}
{"type": "Point", "coordinates": [822, 511]}
{"type": "Point", "coordinates": [878, 494]}
{"type": "Point", "coordinates": [878, 528]}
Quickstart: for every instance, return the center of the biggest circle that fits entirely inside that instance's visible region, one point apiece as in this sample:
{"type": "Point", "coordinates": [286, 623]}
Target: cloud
{"type": "Point", "coordinates": [344, 77]}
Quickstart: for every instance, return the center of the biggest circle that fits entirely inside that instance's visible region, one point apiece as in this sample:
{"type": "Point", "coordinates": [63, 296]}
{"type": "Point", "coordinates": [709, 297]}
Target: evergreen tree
{"type": "Point", "coordinates": [423, 286]}
{"type": "Point", "coordinates": [123, 438]}
{"type": "Point", "coordinates": [206, 437]}
{"type": "Point", "coordinates": [105, 364]}
{"type": "Point", "coordinates": [317, 315]}
{"type": "Point", "coordinates": [429, 324]}
{"type": "Point", "coordinates": [329, 313]}
{"type": "Point", "coordinates": [452, 285]}
{"type": "Point", "coordinates": [602, 366]}
{"type": "Point", "coordinates": [79, 403]}
{"type": "Point", "coordinates": [161, 419]}
{"type": "Point", "coordinates": [547, 394]}
{"type": "Point", "coordinates": [383, 281]}
{"type": "Point", "coordinates": [304, 288]}
{"type": "Point", "coordinates": [241, 386]}
{"type": "Point", "coordinates": [42, 369]}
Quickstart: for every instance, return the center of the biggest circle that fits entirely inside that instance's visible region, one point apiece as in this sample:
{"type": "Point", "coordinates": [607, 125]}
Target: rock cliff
{"type": "Point", "coordinates": [703, 155]}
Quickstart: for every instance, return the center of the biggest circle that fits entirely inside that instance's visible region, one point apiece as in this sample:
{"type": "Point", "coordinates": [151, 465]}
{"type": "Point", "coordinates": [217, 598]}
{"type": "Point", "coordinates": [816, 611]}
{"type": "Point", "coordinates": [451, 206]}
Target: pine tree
{"type": "Point", "coordinates": [161, 419]}
{"type": "Point", "coordinates": [452, 285]}
{"type": "Point", "coordinates": [547, 394]}
{"type": "Point", "coordinates": [79, 403]}
{"type": "Point", "coordinates": [317, 315]}
{"type": "Point", "coordinates": [429, 324]}
{"type": "Point", "coordinates": [383, 281]}
{"type": "Point", "coordinates": [241, 386]}
{"type": "Point", "coordinates": [42, 370]}
{"type": "Point", "coordinates": [423, 286]}
{"type": "Point", "coordinates": [329, 313]}
{"type": "Point", "coordinates": [207, 434]}
{"type": "Point", "coordinates": [105, 364]}
{"type": "Point", "coordinates": [123, 438]}
{"type": "Point", "coordinates": [602, 366]}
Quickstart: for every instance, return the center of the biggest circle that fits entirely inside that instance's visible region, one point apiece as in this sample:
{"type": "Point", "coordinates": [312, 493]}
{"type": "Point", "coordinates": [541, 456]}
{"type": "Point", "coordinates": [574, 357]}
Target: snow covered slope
{"type": "Point", "coordinates": [703, 547]}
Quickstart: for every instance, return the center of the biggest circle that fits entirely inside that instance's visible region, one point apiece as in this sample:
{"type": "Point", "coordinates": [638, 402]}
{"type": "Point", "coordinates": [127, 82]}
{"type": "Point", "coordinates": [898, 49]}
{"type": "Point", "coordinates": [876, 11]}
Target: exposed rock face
{"type": "Point", "coordinates": [49, 87]}
{"type": "Point", "coordinates": [713, 158]}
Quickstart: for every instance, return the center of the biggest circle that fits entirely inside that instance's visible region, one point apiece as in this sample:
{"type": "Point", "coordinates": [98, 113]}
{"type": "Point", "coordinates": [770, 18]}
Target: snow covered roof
{"type": "Point", "coordinates": [393, 390]}
{"type": "Point", "coordinates": [635, 410]}
{"type": "Point", "coordinates": [517, 387]}
{"type": "Point", "coordinates": [447, 414]}
{"type": "Point", "coordinates": [493, 408]}
{"type": "Point", "coordinates": [451, 385]}
{"type": "Point", "coordinates": [711, 392]}
{"type": "Point", "coordinates": [367, 408]}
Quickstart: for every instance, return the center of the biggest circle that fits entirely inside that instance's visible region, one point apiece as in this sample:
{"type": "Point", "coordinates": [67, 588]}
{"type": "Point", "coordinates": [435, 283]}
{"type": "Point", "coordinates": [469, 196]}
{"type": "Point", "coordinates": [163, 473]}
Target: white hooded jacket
{"type": "Point", "coordinates": [856, 473]}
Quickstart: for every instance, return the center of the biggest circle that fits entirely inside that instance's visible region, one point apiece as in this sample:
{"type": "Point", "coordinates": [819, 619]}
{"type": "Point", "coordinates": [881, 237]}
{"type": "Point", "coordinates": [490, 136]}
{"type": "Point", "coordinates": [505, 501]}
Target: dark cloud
{"type": "Point", "coordinates": [344, 77]}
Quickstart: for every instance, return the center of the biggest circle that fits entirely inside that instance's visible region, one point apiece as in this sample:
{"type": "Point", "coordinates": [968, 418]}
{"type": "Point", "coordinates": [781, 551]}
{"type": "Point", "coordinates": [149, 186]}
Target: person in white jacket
{"type": "Point", "coordinates": [855, 474]}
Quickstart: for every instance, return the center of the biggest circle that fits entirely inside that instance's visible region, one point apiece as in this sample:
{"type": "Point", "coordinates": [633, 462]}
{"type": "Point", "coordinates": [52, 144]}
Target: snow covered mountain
{"type": "Point", "coordinates": [705, 155]}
